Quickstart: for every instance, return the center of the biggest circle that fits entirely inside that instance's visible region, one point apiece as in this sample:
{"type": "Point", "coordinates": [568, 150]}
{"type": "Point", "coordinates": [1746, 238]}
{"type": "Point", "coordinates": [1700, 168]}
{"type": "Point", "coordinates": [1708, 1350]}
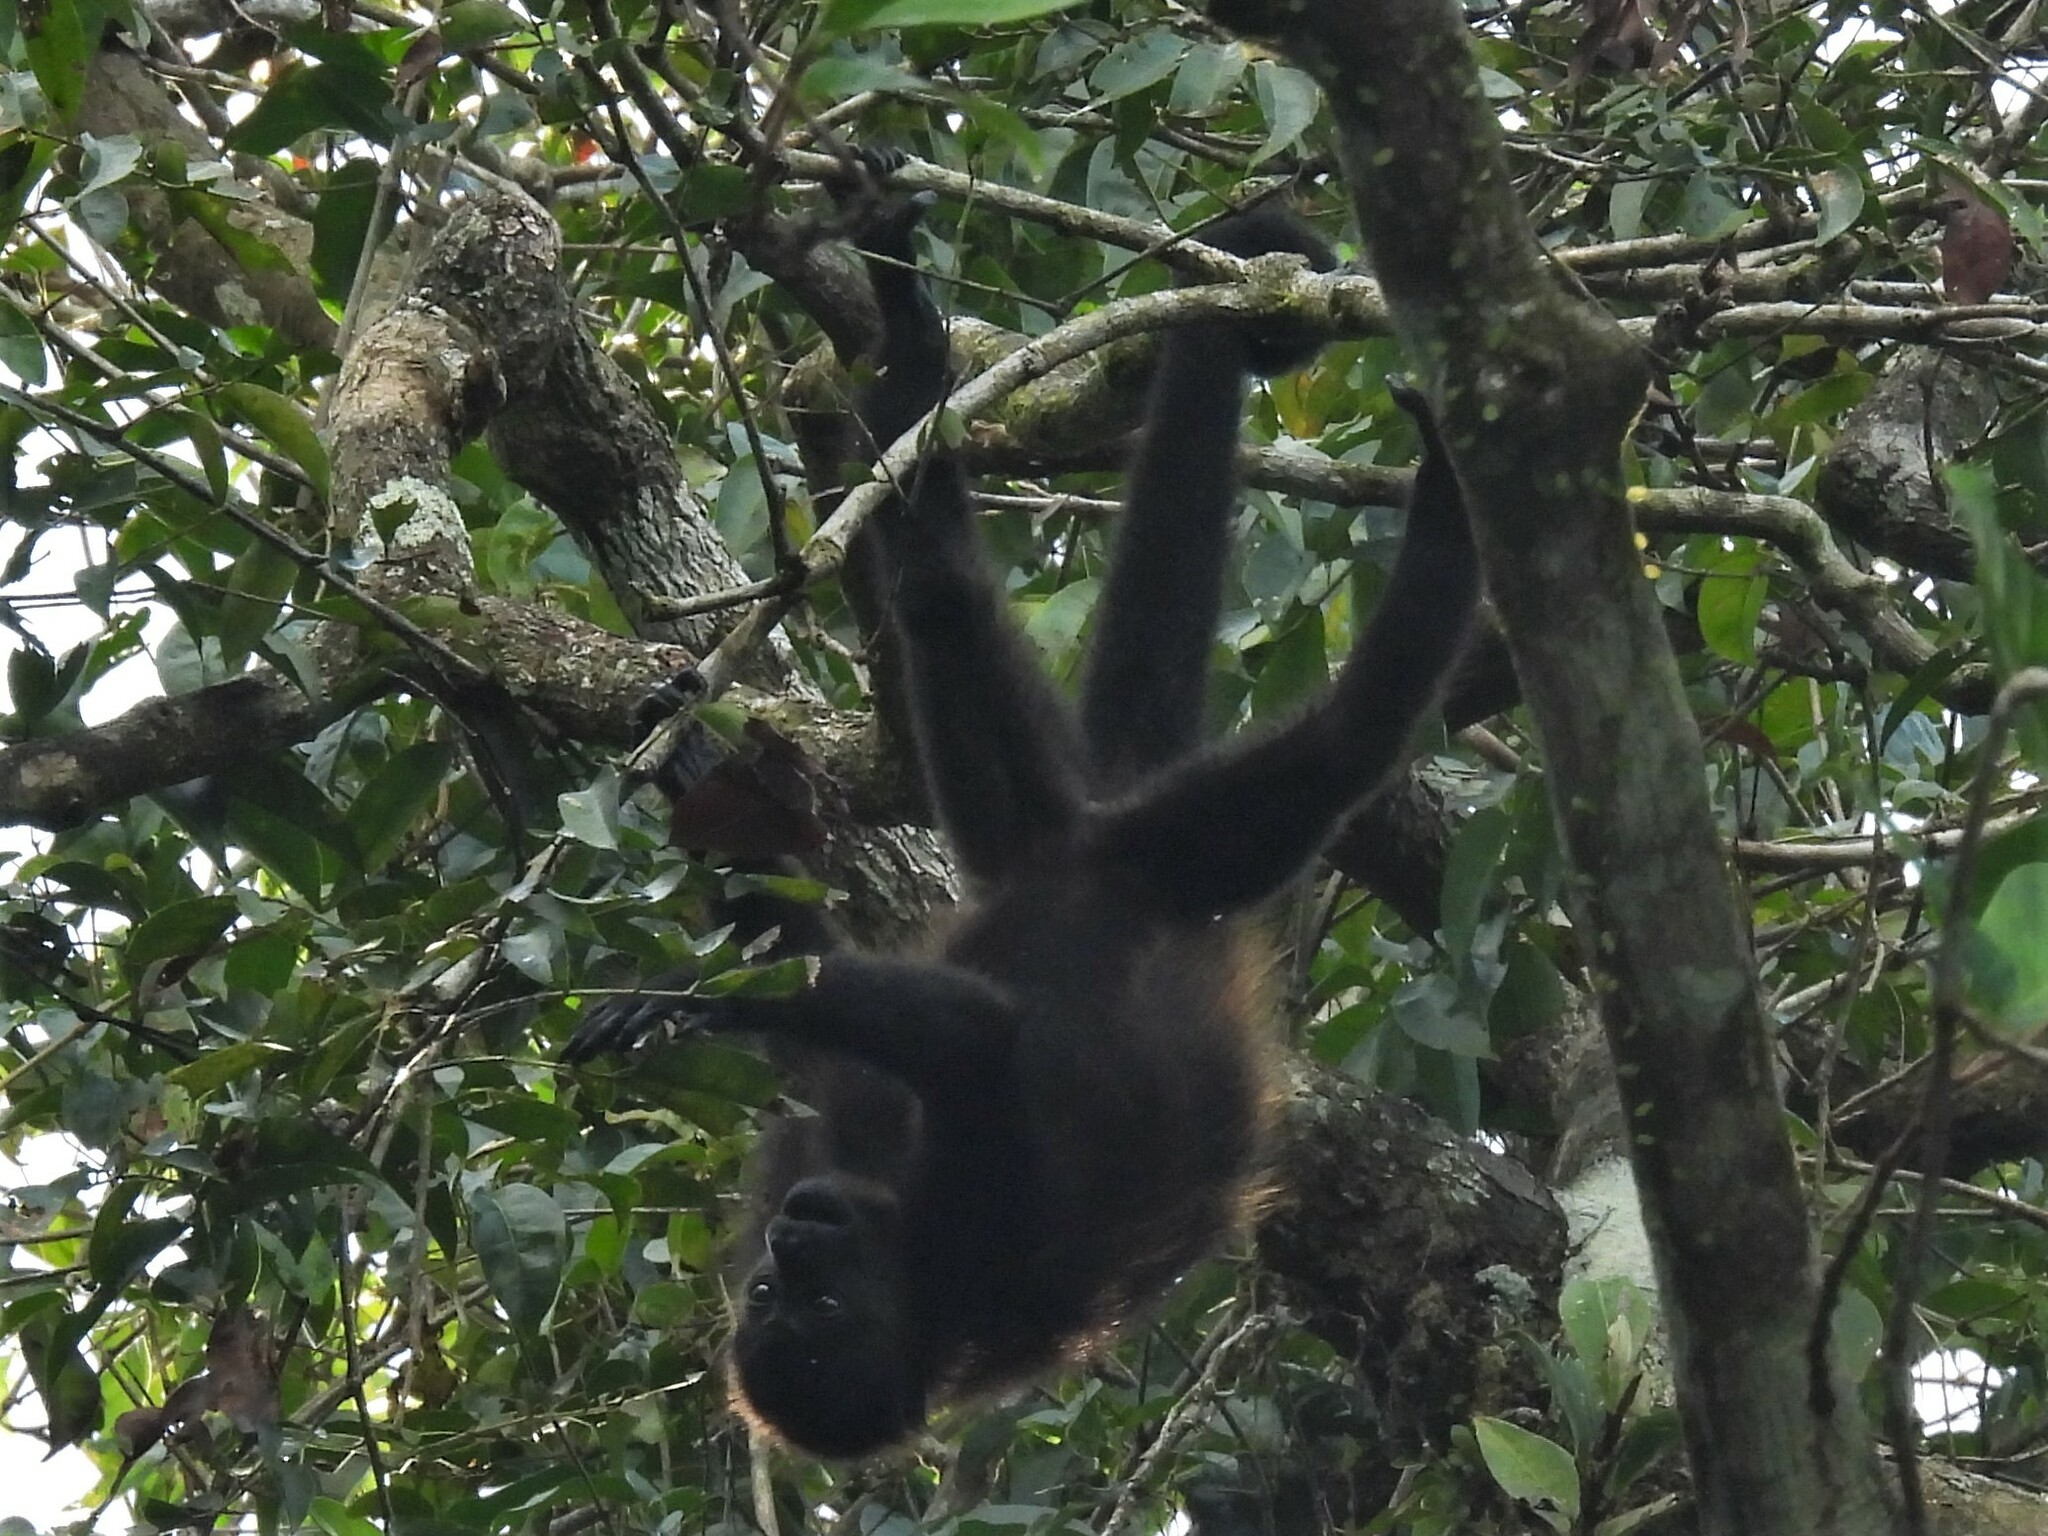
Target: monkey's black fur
{"type": "Point", "coordinates": [1021, 1138]}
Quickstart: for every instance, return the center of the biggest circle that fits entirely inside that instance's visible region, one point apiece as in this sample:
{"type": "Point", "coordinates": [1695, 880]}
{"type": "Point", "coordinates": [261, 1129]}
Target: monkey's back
{"type": "Point", "coordinates": [1143, 1068]}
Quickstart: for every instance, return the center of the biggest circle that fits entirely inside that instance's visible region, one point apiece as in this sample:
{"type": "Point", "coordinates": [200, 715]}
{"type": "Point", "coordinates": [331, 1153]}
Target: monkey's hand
{"type": "Point", "coordinates": [692, 751]}
{"type": "Point", "coordinates": [875, 216]}
{"type": "Point", "coordinates": [1439, 534]}
{"type": "Point", "coordinates": [912, 358]}
{"type": "Point", "coordinates": [627, 1019]}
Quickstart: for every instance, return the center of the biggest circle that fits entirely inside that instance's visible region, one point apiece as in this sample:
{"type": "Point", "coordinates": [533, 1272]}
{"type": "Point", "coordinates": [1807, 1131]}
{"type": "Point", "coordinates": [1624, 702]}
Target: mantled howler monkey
{"type": "Point", "coordinates": [1022, 1137]}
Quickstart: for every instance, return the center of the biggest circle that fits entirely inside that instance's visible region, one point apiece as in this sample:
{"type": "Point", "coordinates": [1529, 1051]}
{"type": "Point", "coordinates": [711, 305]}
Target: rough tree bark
{"type": "Point", "coordinates": [1876, 484]}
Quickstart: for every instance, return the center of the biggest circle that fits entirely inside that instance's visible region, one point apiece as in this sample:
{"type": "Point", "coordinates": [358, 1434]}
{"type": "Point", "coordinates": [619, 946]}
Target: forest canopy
{"type": "Point", "coordinates": [396, 396]}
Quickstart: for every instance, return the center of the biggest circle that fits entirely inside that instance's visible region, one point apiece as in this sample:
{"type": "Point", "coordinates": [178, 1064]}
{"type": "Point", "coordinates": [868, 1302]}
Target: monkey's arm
{"type": "Point", "coordinates": [1227, 829]}
{"type": "Point", "coordinates": [935, 1026]}
{"type": "Point", "coordinates": [1148, 658]}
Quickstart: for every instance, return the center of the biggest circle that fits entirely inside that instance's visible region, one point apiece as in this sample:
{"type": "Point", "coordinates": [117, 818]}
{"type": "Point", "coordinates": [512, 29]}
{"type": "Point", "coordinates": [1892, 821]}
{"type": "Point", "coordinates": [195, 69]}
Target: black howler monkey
{"type": "Point", "coordinates": [1021, 1138]}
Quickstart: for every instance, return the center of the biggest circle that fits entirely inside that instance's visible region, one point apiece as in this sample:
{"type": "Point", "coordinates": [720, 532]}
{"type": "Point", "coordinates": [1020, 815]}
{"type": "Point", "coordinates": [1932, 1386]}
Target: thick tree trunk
{"type": "Point", "coordinates": [1536, 389]}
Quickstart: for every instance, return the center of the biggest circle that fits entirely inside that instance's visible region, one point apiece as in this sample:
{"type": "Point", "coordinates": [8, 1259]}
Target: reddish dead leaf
{"type": "Point", "coordinates": [422, 57]}
{"type": "Point", "coordinates": [140, 1428]}
{"type": "Point", "coordinates": [238, 1358]}
{"type": "Point", "coordinates": [240, 1380]}
{"type": "Point", "coordinates": [1743, 733]}
{"type": "Point", "coordinates": [756, 801]}
{"type": "Point", "coordinates": [1618, 37]}
{"type": "Point", "coordinates": [1977, 247]}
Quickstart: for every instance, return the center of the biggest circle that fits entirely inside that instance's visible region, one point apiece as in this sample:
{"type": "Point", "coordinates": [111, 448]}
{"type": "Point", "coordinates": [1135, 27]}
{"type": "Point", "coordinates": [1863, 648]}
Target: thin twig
{"type": "Point", "coordinates": [648, 100]}
{"type": "Point", "coordinates": [1947, 1000]}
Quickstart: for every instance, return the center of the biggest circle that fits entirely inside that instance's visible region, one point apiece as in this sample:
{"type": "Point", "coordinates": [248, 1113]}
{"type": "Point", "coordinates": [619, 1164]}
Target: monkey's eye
{"type": "Point", "coordinates": [760, 1295]}
{"type": "Point", "coordinates": [826, 1304]}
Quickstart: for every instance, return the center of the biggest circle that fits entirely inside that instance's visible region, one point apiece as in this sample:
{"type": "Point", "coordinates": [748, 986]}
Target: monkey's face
{"type": "Point", "coordinates": [821, 1355]}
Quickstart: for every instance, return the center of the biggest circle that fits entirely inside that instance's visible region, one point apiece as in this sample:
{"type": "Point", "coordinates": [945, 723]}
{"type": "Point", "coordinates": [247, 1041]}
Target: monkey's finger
{"type": "Point", "coordinates": [616, 1024]}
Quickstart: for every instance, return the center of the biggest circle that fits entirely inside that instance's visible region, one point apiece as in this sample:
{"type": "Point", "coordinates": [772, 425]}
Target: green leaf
{"type": "Point", "coordinates": [1606, 1322]}
{"type": "Point", "coordinates": [522, 1241]}
{"type": "Point", "coordinates": [665, 1304]}
{"type": "Point", "coordinates": [332, 1516]}
{"type": "Point", "coordinates": [23, 160]}
{"type": "Point", "coordinates": [2008, 958]}
{"type": "Point", "coordinates": [782, 979]}
{"type": "Point", "coordinates": [32, 684]}
{"type": "Point", "coordinates": [216, 1069]}
{"type": "Point", "coordinates": [1135, 63]}
{"type": "Point", "coordinates": [103, 212]}
{"type": "Point", "coordinates": [1469, 876]}
{"type": "Point", "coordinates": [1625, 206]}
{"type": "Point", "coordinates": [257, 587]}
{"type": "Point", "coordinates": [1710, 210]}
{"type": "Point", "coordinates": [398, 794]}
{"type": "Point", "coordinates": [1292, 668]}
{"type": "Point", "coordinates": [1530, 996]}
{"type": "Point", "coordinates": [181, 928]}
{"type": "Point", "coordinates": [472, 23]}
{"type": "Point", "coordinates": [1528, 1467]}
{"type": "Point", "coordinates": [108, 160]}
{"type": "Point", "coordinates": [1205, 76]}
{"type": "Point", "coordinates": [287, 426]}
{"type": "Point", "coordinates": [1731, 599]}
{"type": "Point", "coordinates": [1998, 857]}
{"type": "Point", "coordinates": [2014, 596]}
{"type": "Point", "coordinates": [1056, 624]}
{"type": "Point", "coordinates": [341, 225]}
{"type": "Point", "coordinates": [845, 16]}
{"type": "Point", "coordinates": [1839, 193]}
{"type": "Point", "coordinates": [1920, 686]}
{"type": "Point", "coordinates": [59, 42]}
{"type": "Point", "coordinates": [1858, 1332]}
{"type": "Point", "coordinates": [351, 95]}
{"type": "Point", "coordinates": [203, 433]}
{"type": "Point", "coordinates": [1429, 1011]}
{"type": "Point", "coordinates": [1573, 1393]}
{"type": "Point", "coordinates": [119, 1248]}
{"type": "Point", "coordinates": [287, 847]}
{"type": "Point", "coordinates": [604, 1243]}
{"type": "Point", "coordinates": [21, 348]}
{"type": "Point", "coordinates": [591, 815]}
{"type": "Point", "coordinates": [277, 784]}
{"type": "Point", "coordinates": [252, 253]}
{"type": "Point", "coordinates": [67, 1385]}
{"type": "Point", "coordinates": [1289, 101]}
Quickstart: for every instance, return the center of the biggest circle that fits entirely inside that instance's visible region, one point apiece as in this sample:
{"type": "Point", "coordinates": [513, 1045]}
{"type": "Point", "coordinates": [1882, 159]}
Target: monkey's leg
{"type": "Point", "coordinates": [998, 745]}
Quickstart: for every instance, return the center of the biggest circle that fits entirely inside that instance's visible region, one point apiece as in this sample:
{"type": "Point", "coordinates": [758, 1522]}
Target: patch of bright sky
{"type": "Point", "coordinates": [44, 1489]}
{"type": "Point", "coordinates": [41, 1488]}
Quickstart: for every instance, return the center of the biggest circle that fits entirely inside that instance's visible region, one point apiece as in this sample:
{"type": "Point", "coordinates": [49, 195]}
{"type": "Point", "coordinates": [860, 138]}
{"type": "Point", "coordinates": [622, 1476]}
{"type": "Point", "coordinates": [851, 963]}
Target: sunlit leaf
{"type": "Point", "coordinates": [1528, 1467]}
